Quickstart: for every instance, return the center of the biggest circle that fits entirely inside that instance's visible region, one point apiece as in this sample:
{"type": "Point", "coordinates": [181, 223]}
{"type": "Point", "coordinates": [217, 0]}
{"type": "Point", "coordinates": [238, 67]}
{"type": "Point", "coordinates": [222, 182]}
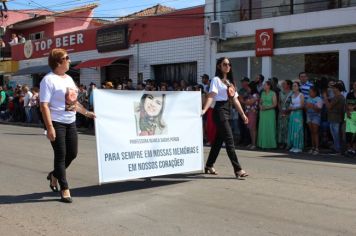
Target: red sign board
{"type": "Point", "coordinates": [264, 42]}
{"type": "Point", "coordinates": [72, 42]}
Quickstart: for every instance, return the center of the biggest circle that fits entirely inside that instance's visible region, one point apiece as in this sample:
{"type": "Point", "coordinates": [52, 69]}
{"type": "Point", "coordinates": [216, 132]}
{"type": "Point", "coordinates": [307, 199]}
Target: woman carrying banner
{"type": "Point", "coordinates": [59, 104]}
{"type": "Point", "coordinates": [218, 92]}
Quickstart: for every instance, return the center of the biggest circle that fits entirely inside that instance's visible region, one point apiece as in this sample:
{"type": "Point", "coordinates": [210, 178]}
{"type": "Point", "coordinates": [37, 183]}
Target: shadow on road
{"type": "Point", "coordinates": [23, 134]}
{"type": "Point", "coordinates": [89, 191]}
{"type": "Point", "coordinates": [27, 198]}
{"type": "Point", "coordinates": [329, 158]}
{"type": "Point", "coordinates": [196, 176]}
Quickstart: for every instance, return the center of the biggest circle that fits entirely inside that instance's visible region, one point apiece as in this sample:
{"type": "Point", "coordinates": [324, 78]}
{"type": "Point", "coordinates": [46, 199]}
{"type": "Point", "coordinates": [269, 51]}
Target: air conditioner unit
{"type": "Point", "coordinates": [215, 30]}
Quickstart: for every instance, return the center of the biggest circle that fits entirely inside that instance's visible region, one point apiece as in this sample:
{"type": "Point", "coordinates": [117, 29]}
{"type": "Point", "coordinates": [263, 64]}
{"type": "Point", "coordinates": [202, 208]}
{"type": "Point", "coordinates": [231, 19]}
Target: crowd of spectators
{"type": "Point", "coordinates": [297, 116]}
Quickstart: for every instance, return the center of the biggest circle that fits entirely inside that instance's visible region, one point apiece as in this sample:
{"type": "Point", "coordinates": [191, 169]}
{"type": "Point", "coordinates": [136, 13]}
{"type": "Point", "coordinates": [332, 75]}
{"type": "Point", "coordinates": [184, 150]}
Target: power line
{"type": "Point", "coordinates": [173, 15]}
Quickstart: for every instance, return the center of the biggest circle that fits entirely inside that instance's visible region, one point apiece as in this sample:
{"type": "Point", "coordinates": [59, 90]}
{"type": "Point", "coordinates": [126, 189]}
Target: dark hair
{"type": "Point", "coordinates": [145, 118]}
{"type": "Point", "coordinates": [219, 73]}
{"type": "Point", "coordinates": [315, 89]}
{"type": "Point", "coordinates": [269, 83]}
{"type": "Point", "coordinates": [252, 85]}
{"type": "Point", "coordinates": [342, 85]}
{"type": "Point", "coordinates": [262, 78]}
{"type": "Point", "coordinates": [323, 84]}
{"type": "Point", "coordinates": [289, 83]}
{"type": "Point", "coordinates": [275, 80]}
{"type": "Point", "coordinates": [300, 73]}
{"type": "Point", "coordinates": [296, 82]}
{"type": "Point", "coordinates": [338, 86]}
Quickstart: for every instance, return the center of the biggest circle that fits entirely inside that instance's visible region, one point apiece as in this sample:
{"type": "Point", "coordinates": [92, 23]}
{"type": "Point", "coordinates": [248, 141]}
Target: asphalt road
{"type": "Point", "coordinates": [285, 195]}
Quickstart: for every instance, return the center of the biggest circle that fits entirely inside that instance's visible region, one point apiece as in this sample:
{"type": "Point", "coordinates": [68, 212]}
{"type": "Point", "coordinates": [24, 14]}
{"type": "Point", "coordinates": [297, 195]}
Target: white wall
{"type": "Point", "coordinates": [292, 23]}
{"type": "Point", "coordinates": [171, 51]}
{"type": "Point", "coordinates": [297, 22]}
{"type": "Point", "coordinates": [188, 49]}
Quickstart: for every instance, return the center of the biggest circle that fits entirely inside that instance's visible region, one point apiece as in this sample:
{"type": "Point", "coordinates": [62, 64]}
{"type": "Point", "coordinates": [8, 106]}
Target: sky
{"type": "Point", "coordinates": [107, 8]}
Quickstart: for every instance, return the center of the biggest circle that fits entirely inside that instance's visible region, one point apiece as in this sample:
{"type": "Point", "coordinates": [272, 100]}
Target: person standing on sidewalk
{"type": "Point", "coordinates": [218, 92]}
{"type": "Point", "coordinates": [305, 86]}
{"type": "Point", "coordinates": [59, 104]}
{"type": "Point", "coordinates": [3, 105]}
{"type": "Point", "coordinates": [266, 137]}
{"type": "Point", "coordinates": [285, 99]}
{"type": "Point", "coordinates": [295, 125]}
{"type": "Point", "coordinates": [27, 102]}
{"type": "Point", "coordinates": [336, 109]}
{"type": "Point", "coordinates": [313, 106]}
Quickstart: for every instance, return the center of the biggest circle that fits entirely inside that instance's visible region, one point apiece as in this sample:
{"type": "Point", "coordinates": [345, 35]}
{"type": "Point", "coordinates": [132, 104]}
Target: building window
{"type": "Point", "coordinates": [176, 72]}
{"type": "Point", "coordinates": [348, 3]}
{"type": "Point", "coordinates": [265, 9]}
{"type": "Point", "coordinates": [246, 67]}
{"type": "Point", "coordinates": [233, 11]}
{"type": "Point", "coordinates": [303, 6]}
{"type": "Point", "coordinates": [240, 10]}
{"type": "Point", "coordinates": [317, 65]}
{"type": "Point", "coordinates": [38, 35]}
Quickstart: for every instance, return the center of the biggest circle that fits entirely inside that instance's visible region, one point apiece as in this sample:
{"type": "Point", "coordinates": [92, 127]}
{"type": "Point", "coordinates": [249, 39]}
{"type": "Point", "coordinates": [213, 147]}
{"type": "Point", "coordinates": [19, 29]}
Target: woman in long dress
{"type": "Point", "coordinates": [267, 123]}
{"type": "Point", "coordinates": [285, 99]}
{"type": "Point", "coordinates": [295, 130]}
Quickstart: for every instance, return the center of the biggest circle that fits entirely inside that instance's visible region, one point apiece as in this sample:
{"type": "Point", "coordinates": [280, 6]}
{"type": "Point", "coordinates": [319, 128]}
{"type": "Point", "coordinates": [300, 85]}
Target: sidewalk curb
{"type": "Point", "coordinates": [32, 125]}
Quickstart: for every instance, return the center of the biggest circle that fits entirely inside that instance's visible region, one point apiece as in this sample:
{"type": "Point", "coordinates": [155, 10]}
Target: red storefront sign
{"type": "Point", "coordinates": [264, 42]}
{"type": "Point", "coordinates": [72, 42]}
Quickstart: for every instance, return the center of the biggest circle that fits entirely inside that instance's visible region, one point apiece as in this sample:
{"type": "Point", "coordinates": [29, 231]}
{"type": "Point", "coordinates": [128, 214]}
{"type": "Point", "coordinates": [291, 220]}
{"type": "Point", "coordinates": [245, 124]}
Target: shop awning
{"type": "Point", "coordinates": [44, 69]}
{"type": "Point", "coordinates": [100, 62]}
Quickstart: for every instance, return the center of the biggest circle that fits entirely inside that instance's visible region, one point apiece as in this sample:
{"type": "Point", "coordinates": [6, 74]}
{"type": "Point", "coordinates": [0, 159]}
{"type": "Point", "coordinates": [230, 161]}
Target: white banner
{"type": "Point", "coordinates": [144, 134]}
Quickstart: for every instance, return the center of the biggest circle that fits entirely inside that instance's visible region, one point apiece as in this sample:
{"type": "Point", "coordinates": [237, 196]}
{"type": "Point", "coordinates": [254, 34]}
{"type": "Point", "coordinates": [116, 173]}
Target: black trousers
{"type": "Point", "coordinates": [221, 116]}
{"type": "Point", "coordinates": [65, 148]}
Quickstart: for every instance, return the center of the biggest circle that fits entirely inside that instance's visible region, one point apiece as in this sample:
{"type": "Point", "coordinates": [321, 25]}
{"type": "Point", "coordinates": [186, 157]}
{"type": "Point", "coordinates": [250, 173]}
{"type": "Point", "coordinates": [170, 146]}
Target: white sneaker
{"type": "Point", "coordinates": [45, 132]}
{"type": "Point", "coordinates": [292, 150]}
{"type": "Point", "coordinates": [311, 151]}
{"type": "Point", "coordinates": [316, 152]}
{"type": "Point", "coordinates": [252, 147]}
{"type": "Point", "coordinates": [297, 150]}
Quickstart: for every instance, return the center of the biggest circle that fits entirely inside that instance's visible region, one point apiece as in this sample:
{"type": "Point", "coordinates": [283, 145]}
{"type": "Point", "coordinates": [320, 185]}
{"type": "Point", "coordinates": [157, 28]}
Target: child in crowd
{"type": "Point", "coordinates": [350, 121]}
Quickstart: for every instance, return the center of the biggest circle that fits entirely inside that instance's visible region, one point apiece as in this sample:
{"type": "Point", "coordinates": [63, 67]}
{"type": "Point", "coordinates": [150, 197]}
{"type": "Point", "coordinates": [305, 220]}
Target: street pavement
{"type": "Point", "coordinates": [285, 195]}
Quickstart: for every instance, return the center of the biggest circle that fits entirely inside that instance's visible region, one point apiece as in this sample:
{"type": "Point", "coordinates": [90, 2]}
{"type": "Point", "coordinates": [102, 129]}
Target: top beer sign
{"type": "Point", "coordinates": [74, 42]}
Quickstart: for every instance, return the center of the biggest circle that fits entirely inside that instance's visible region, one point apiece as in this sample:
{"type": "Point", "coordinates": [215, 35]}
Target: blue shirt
{"type": "Point", "coordinates": [305, 89]}
{"type": "Point", "coordinates": [315, 101]}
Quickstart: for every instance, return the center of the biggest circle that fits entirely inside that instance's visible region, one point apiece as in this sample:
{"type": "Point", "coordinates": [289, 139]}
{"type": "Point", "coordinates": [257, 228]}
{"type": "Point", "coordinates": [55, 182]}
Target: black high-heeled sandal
{"type": "Point", "coordinates": [241, 174]}
{"type": "Point", "coordinates": [53, 188]}
{"type": "Point", "coordinates": [210, 170]}
{"type": "Point", "coordinates": [65, 199]}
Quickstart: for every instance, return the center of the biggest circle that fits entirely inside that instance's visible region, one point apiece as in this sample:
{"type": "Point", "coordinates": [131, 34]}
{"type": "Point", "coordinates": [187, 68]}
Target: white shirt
{"type": "Point", "coordinates": [26, 99]}
{"type": "Point", "coordinates": [220, 89]}
{"type": "Point", "coordinates": [14, 41]}
{"type": "Point", "coordinates": [61, 94]}
{"type": "Point", "coordinates": [296, 101]}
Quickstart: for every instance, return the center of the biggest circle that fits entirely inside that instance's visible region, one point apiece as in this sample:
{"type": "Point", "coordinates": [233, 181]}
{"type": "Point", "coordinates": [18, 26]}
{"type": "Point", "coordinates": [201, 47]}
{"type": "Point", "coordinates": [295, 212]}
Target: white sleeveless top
{"type": "Point", "coordinates": [296, 101]}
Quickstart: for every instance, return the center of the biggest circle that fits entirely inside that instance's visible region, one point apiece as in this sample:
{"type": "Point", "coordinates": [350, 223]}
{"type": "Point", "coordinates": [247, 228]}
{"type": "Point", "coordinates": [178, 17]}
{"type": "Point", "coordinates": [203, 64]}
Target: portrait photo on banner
{"type": "Point", "coordinates": [149, 115]}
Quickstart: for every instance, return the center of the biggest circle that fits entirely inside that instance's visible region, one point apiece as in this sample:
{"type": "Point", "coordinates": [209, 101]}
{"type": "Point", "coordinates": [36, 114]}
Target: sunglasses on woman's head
{"type": "Point", "coordinates": [226, 64]}
{"type": "Point", "coordinates": [65, 58]}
